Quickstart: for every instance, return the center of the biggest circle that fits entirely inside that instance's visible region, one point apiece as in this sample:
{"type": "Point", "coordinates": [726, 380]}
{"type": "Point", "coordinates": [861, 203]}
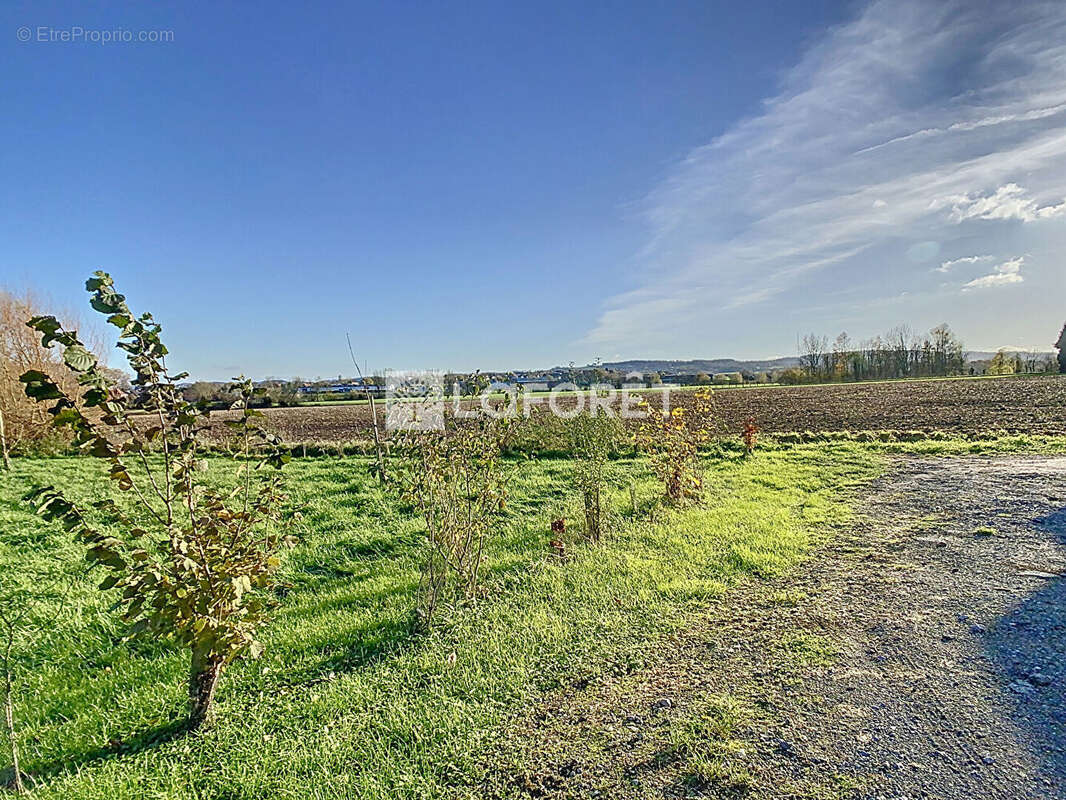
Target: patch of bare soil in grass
{"type": "Point", "coordinates": [918, 654]}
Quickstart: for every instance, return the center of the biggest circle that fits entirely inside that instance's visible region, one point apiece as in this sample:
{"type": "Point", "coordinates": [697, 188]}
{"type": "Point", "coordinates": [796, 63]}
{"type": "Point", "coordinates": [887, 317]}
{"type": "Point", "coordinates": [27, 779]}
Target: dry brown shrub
{"type": "Point", "coordinates": [26, 423]}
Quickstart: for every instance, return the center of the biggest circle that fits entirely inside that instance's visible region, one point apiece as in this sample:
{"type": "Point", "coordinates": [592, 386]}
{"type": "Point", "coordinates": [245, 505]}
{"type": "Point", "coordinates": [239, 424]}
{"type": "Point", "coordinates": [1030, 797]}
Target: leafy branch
{"type": "Point", "coordinates": [191, 559]}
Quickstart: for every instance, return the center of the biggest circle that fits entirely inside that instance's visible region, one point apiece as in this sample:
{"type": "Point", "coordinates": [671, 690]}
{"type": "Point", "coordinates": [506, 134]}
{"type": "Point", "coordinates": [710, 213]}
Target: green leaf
{"type": "Point", "coordinates": [94, 397]}
{"type": "Point", "coordinates": [108, 301]}
{"type": "Point", "coordinates": [98, 280]}
{"type": "Point", "coordinates": [109, 583]}
{"type": "Point", "coordinates": [47, 326]}
{"type": "Point", "coordinates": [39, 386]}
{"type": "Point", "coordinates": [78, 358]}
{"type": "Point", "coordinates": [68, 416]}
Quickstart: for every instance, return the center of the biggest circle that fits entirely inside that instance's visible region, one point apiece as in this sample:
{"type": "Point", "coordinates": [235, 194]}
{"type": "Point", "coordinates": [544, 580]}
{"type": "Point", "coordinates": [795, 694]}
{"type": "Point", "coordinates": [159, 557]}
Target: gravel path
{"type": "Point", "coordinates": [919, 654]}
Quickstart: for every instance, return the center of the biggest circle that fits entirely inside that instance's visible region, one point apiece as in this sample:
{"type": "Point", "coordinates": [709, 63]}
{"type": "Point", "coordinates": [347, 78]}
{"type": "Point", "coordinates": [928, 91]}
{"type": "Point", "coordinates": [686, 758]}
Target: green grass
{"type": "Point", "coordinates": [345, 703]}
{"type": "Point", "coordinates": [917, 443]}
{"type": "Point", "coordinates": [704, 739]}
{"type": "Point", "coordinates": [807, 649]}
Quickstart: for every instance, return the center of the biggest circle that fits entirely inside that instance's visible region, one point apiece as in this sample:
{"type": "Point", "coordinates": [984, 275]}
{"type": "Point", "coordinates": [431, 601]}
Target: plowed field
{"type": "Point", "coordinates": [1017, 405]}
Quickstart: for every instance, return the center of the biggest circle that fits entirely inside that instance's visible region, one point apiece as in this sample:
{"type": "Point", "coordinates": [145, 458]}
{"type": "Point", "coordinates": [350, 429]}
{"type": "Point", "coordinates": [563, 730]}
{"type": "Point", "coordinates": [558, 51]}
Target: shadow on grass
{"type": "Point", "coordinates": [146, 740]}
{"type": "Point", "coordinates": [360, 647]}
{"type": "Point", "coordinates": [363, 646]}
{"type": "Point", "coordinates": [1028, 645]}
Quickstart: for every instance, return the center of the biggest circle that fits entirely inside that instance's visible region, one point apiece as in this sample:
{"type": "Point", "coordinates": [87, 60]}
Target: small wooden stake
{"type": "Point", "coordinates": [3, 442]}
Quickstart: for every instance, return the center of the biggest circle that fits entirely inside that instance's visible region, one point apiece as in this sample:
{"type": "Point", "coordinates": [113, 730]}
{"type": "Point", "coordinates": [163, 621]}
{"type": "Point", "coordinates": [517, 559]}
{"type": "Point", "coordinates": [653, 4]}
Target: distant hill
{"type": "Point", "coordinates": [696, 366]}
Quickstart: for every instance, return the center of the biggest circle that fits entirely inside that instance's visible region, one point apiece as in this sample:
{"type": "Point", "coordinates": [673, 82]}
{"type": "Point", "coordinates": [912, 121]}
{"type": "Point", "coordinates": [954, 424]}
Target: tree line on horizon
{"type": "Point", "coordinates": [901, 353]}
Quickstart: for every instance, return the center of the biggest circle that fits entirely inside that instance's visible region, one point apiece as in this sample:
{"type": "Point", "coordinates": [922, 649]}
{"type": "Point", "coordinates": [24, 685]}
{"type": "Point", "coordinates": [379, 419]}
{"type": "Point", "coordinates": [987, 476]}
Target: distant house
{"type": "Point", "coordinates": [338, 388]}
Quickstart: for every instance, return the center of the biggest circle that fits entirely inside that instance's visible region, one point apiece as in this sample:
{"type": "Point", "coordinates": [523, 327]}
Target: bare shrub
{"type": "Point", "coordinates": [457, 481]}
{"type": "Point", "coordinates": [25, 424]}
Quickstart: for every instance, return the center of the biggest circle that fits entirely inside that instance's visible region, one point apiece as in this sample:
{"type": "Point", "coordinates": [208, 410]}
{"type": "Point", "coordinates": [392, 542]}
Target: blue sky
{"type": "Point", "coordinates": [505, 185]}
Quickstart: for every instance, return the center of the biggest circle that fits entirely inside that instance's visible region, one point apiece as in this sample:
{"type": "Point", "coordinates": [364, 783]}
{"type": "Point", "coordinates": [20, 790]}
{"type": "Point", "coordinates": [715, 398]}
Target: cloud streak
{"type": "Point", "coordinates": [916, 122]}
{"type": "Point", "coordinates": [1036, 113]}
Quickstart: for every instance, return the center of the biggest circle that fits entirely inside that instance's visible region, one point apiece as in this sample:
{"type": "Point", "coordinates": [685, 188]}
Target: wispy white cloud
{"type": "Point", "coordinates": [1006, 273]}
{"type": "Point", "coordinates": [947, 265]}
{"type": "Point", "coordinates": [971, 125]}
{"type": "Point", "coordinates": [912, 109]}
{"type": "Point", "coordinates": [753, 297]}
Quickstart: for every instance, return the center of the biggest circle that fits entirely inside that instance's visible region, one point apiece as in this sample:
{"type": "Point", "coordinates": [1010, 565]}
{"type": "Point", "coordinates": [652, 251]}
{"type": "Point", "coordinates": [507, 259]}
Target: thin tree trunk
{"type": "Point", "coordinates": [373, 414]}
{"type": "Point", "coordinates": [592, 513]}
{"type": "Point", "coordinates": [203, 680]}
{"type": "Point", "coordinates": [9, 716]}
{"type": "Point", "coordinates": [377, 436]}
{"type": "Point", "coordinates": [3, 442]}
{"type": "Point", "coordinates": [9, 709]}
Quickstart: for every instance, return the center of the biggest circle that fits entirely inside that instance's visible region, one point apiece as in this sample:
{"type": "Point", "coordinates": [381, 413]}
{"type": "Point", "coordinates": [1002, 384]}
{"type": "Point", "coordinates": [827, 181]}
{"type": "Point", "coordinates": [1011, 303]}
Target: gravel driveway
{"type": "Point", "coordinates": [919, 654]}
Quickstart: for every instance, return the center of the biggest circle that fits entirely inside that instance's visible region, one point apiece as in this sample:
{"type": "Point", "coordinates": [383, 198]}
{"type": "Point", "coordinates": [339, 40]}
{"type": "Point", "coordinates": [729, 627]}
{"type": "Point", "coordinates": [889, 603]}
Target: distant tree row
{"type": "Point", "coordinates": [216, 395]}
{"type": "Point", "coordinates": [900, 353]}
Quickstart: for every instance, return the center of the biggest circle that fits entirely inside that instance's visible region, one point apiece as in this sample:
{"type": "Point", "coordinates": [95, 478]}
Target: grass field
{"type": "Point", "coordinates": [346, 703]}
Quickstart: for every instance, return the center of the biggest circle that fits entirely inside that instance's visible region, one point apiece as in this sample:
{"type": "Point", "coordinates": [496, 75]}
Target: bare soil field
{"type": "Point", "coordinates": [1034, 405]}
